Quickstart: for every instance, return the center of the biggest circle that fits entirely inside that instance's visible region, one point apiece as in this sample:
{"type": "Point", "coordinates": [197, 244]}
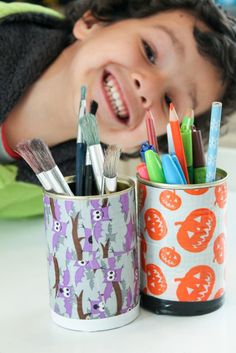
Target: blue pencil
{"type": "Point", "coordinates": [216, 113]}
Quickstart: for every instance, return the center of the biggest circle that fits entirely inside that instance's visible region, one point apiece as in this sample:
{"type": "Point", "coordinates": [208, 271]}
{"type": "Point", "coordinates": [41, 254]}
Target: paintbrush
{"type": "Point", "coordinates": [93, 107]}
{"type": "Point", "coordinates": [41, 161]}
{"type": "Point", "coordinates": [91, 136]}
{"type": "Point", "coordinates": [25, 152]}
{"type": "Point", "coordinates": [88, 180]}
{"type": "Point", "coordinates": [80, 147]}
{"type": "Point", "coordinates": [111, 159]}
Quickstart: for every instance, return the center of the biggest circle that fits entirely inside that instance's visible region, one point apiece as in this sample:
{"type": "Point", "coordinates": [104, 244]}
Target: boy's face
{"type": "Point", "coordinates": [137, 64]}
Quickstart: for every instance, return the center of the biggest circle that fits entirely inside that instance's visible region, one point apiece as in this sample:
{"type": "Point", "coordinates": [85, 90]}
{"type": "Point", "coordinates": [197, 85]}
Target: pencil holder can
{"type": "Point", "coordinates": [182, 233]}
{"type": "Point", "coordinates": [93, 258]}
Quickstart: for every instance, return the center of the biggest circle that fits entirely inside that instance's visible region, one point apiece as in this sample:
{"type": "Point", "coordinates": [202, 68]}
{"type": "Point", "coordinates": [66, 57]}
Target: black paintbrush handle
{"type": "Point", "coordinates": [80, 167]}
{"type": "Point", "coordinates": [88, 187]}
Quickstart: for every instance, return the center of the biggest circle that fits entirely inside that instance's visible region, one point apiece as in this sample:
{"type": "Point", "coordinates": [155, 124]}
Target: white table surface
{"type": "Point", "coordinates": [26, 326]}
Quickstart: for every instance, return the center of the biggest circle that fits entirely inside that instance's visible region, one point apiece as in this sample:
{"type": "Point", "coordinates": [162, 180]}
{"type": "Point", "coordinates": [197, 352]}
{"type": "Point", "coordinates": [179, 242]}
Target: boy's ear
{"type": "Point", "coordinates": [85, 25]}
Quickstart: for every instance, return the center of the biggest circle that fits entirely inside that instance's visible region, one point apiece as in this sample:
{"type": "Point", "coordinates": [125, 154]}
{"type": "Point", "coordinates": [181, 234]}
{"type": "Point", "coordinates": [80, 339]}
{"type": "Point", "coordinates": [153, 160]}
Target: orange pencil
{"type": "Point", "coordinates": [177, 139]}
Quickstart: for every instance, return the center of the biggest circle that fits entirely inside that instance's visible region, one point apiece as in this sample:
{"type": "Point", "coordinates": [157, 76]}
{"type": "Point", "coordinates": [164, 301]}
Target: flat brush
{"type": "Point", "coordinates": [111, 159]}
{"type": "Point", "coordinates": [25, 152]}
{"type": "Point", "coordinates": [80, 147]}
{"type": "Point", "coordinates": [42, 162]}
{"type": "Point", "coordinates": [91, 136]}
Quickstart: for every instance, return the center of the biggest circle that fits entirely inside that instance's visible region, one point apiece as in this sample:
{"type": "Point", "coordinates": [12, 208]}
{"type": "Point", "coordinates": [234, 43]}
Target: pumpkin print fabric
{"type": "Point", "coordinates": [92, 256]}
{"type": "Point", "coordinates": [182, 235]}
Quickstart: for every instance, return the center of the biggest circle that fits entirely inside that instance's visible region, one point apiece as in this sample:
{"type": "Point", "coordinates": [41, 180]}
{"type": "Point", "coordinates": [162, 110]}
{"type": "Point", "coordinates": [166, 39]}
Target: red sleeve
{"type": "Point", "coordinates": [6, 153]}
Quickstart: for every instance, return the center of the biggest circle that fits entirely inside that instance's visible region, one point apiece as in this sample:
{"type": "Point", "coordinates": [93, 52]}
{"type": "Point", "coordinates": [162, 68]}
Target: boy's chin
{"type": "Point", "coordinates": [130, 150]}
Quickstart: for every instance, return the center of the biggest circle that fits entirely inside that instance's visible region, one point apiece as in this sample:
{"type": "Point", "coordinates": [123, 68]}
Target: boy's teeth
{"type": "Point", "coordinates": [115, 98]}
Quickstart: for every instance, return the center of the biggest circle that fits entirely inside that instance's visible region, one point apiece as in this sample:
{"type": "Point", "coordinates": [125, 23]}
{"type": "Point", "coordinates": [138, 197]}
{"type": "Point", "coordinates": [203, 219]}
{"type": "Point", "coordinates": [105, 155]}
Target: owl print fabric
{"type": "Point", "coordinates": [182, 242]}
{"type": "Point", "coordinates": [92, 256]}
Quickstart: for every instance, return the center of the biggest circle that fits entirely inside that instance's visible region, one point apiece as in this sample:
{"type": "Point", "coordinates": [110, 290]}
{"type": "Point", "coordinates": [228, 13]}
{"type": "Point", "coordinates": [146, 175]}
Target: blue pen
{"type": "Point", "coordinates": [172, 169]}
{"type": "Point", "coordinates": [216, 113]}
{"type": "Point", "coordinates": [145, 147]}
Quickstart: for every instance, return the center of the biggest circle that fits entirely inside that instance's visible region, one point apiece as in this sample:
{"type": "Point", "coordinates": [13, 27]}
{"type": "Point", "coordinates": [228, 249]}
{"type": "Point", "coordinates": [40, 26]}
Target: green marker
{"type": "Point", "coordinates": [154, 167]}
{"type": "Point", "coordinates": [186, 134]}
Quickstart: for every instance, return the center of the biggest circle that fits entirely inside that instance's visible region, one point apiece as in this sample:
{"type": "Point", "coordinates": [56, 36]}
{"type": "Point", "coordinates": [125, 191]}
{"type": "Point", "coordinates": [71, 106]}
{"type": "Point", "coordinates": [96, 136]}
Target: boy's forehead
{"type": "Point", "coordinates": [175, 18]}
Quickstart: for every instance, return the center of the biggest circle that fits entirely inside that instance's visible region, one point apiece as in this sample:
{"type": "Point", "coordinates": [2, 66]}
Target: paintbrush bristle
{"type": "Point", "coordinates": [111, 159]}
{"type": "Point", "coordinates": [42, 154]}
{"type": "Point", "coordinates": [93, 107]}
{"type": "Point", "coordinates": [23, 148]}
{"type": "Point", "coordinates": [89, 129]}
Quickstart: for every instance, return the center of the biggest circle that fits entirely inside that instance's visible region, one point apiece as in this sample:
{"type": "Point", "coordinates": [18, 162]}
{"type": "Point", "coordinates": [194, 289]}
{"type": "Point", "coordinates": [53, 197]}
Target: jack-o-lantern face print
{"type": "Point", "coordinates": [170, 200]}
{"type": "Point", "coordinates": [197, 230]}
{"type": "Point", "coordinates": [169, 256]}
{"type": "Point", "coordinates": [196, 192]}
{"type": "Point", "coordinates": [219, 293]}
{"type": "Point", "coordinates": [196, 285]}
{"type": "Point", "coordinates": [142, 194]}
{"type": "Point", "coordinates": [156, 282]}
{"type": "Point", "coordinates": [219, 249]}
{"type": "Point", "coordinates": [155, 224]}
{"type": "Point", "coordinates": [221, 195]}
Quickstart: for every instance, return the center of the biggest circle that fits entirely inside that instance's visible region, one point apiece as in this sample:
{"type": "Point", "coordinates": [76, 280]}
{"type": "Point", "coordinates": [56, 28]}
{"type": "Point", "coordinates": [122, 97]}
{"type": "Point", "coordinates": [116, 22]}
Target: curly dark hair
{"type": "Point", "coordinates": [218, 44]}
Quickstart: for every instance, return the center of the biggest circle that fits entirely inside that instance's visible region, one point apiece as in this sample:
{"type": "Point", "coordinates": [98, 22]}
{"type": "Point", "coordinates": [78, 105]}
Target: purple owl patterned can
{"type": "Point", "coordinates": [93, 258]}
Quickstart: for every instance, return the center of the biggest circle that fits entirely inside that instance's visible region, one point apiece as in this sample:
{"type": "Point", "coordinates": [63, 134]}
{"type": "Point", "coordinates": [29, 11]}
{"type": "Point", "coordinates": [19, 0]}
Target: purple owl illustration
{"type": "Point", "coordinates": [83, 266]}
{"type": "Point", "coordinates": [124, 200]}
{"type": "Point", "coordinates": [88, 240]}
{"type": "Point", "coordinates": [112, 277]}
{"type": "Point", "coordinates": [58, 227]}
{"type": "Point", "coordinates": [130, 235]}
{"type": "Point", "coordinates": [62, 288]}
{"type": "Point", "coordinates": [99, 214]}
{"type": "Point", "coordinates": [98, 307]}
{"type": "Point", "coordinates": [136, 276]}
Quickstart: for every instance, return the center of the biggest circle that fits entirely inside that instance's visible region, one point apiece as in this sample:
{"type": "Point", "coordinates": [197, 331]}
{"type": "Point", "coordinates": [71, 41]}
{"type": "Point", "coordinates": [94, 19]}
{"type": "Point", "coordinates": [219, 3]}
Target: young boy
{"type": "Point", "coordinates": [131, 55]}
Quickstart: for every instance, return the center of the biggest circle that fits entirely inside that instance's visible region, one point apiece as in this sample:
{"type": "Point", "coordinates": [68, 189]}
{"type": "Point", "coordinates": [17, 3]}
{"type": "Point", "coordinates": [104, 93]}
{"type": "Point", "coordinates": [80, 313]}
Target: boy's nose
{"type": "Point", "coordinates": [142, 89]}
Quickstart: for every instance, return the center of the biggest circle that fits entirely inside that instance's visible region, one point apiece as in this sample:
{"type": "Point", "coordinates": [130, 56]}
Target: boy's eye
{"type": "Point", "coordinates": [149, 52]}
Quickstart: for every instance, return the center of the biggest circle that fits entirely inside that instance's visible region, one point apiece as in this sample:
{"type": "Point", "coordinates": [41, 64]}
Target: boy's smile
{"type": "Point", "coordinates": [137, 64]}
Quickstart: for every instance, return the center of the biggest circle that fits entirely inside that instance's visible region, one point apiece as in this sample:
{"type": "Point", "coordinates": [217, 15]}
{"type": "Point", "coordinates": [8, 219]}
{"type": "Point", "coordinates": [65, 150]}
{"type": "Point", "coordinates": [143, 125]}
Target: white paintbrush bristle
{"type": "Point", "coordinates": [42, 154]}
{"type": "Point", "coordinates": [24, 150]}
{"type": "Point", "coordinates": [89, 127]}
{"type": "Point", "coordinates": [111, 159]}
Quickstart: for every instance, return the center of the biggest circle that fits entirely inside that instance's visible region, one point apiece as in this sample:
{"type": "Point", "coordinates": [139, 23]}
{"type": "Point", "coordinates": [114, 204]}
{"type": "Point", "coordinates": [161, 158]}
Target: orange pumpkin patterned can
{"type": "Point", "coordinates": [182, 232]}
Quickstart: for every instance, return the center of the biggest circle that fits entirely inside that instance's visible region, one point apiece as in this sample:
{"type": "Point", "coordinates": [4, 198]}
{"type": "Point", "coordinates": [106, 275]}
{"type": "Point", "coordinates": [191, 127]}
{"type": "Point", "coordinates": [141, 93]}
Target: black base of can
{"type": "Point", "coordinates": [169, 307]}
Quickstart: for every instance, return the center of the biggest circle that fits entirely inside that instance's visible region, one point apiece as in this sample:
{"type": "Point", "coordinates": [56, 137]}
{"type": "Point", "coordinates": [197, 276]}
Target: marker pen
{"type": "Point", "coordinates": [199, 161]}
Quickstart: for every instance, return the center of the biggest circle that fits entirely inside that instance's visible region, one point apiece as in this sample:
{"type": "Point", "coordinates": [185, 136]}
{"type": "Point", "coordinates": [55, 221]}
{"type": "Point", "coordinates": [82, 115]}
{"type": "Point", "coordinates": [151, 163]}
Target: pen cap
{"type": "Point", "coordinates": [145, 147]}
{"type": "Point", "coordinates": [198, 149]}
{"type": "Point", "coordinates": [154, 167]}
{"type": "Point", "coordinates": [188, 147]}
{"type": "Point", "coordinates": [199, 175]}
{"type": "Point", "coordinates": [142, 171]}
{"type": "Point", "coordinates": [188, 121]}
{"type": "Point", "coordinates": [172, 170]}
